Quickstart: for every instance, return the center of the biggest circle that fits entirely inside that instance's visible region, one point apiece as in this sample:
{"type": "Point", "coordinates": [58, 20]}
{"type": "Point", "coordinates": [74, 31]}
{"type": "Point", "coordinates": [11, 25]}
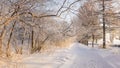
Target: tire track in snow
{"type": "Point", "coordinates": [92, 64]}
{"type": "Point", "coordinates": [87, 58]}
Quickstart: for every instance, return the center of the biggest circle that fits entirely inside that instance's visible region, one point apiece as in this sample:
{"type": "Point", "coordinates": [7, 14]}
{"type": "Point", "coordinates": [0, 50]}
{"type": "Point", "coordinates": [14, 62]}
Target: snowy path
{"type": "Point", "coordinates": [87, 58]}
{"type": "Point", "coordinates": [77, 56]}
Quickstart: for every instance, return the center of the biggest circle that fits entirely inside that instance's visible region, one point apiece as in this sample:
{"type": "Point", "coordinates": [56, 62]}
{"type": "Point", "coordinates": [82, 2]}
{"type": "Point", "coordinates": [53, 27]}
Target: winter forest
{"type": "Point", "coordinates": [59, 34]}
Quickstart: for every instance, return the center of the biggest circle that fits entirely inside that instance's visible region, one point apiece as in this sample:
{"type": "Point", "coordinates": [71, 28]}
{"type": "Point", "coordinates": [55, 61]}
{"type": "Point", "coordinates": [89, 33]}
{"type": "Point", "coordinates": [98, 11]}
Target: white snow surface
{"type": "Point", "coordinates": [76, 56]}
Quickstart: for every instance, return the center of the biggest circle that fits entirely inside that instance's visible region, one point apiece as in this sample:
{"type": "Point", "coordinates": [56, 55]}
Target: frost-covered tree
{"type": "Point", "coordinates": [87, 22]}
{"type": "Point", "coordinates": [24, 21]}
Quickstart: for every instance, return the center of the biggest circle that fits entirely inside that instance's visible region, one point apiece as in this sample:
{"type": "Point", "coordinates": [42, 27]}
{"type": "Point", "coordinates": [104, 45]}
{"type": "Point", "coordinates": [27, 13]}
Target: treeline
{"type": "Point", "coordinates": [32, 25]}
{"type": "Point", "coordinates": [95, 18]}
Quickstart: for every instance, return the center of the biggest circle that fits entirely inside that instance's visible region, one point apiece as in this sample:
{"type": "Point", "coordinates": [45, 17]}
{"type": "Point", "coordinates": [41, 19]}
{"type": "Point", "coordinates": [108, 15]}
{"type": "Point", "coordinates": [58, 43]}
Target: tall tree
{"type": "Point", "coordinates": [87, 22]}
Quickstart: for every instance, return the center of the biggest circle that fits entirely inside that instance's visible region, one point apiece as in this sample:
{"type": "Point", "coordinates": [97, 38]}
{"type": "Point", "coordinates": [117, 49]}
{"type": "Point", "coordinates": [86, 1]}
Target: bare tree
{"type": "Point", "coordinates": [88, 21]}
{"type": "Point", "coordinates": [22, 20]}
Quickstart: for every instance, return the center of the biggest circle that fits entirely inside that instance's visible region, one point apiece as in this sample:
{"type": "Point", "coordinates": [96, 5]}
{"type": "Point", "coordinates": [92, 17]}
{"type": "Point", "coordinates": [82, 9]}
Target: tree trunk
{"type": "Point", "coordinates": [104, 39]}
{"type": "Point", "coordinates": [32, 41]}
{"type": "Point", "coordinates": [92, 40]}
{"type": "Point", "coordinates": [1, 37]}
{"type": "Point", "coordinates": [0, 46]}
{"type": "Point", "coordinates": [96, 41]}
{"type": "Point", "coordinates": [87, 43]}
{"type": "Point", "coordinates": [8, 44]}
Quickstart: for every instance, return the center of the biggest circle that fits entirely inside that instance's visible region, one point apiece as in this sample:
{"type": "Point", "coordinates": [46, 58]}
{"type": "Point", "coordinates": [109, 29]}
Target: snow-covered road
{"type": "Point", "coordinates": [87, 58]}
{"type": "Point", "coordinates": [77, 56]}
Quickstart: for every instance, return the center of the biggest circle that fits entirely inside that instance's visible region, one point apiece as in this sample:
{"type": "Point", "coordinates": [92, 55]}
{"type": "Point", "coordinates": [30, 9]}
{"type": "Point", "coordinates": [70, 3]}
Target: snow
{"type": "Point", "coordinates": [116, 42]}
{"type": "Point", "coordinates": [76, 56]}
